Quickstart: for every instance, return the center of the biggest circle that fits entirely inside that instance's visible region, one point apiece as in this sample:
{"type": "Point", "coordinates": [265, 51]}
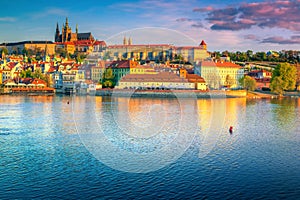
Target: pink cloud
{"type": "Point", "coordinates": [275, 14]}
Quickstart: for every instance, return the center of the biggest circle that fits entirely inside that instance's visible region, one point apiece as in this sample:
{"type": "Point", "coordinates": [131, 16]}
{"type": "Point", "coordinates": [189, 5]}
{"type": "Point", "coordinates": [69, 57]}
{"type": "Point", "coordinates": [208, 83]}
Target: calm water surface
{"type": "Point", "coordinates": [94, 147]}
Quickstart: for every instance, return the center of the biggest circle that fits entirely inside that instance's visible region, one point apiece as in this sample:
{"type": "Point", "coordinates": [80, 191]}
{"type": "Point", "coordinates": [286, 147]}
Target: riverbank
{"type": "Point", "coordinates": [267, 94]}
{"type": "Point", "coordinates": [172, 93]}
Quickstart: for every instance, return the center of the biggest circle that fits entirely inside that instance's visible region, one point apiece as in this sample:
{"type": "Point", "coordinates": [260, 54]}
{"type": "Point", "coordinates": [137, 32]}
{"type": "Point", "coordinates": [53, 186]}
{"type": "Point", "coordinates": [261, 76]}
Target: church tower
{"type": "Point", "coordinates": [203, 45]}
{"type": "Point", "coordinates": [57, 34]}
{"type": "Point", "coordinates": [125, 41]}
{"type": "Point", "coordinates": [130, 41]}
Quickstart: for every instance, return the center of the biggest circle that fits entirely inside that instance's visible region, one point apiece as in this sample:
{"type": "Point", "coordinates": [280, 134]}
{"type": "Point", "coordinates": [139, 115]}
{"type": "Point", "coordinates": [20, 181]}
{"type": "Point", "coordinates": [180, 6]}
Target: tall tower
{"type": "Point", "coordinates": [76, 28]}
{"type": "Point", "coordinates": [67, 23]}
{"type": "Point", "coordinates": [124, 41]}
{"type": "Point", "coordinates": [130, 41]}
{"type": "Point", "coordinates": [57, 33]}
{"type": "Point", "coordinates": [203, 45]}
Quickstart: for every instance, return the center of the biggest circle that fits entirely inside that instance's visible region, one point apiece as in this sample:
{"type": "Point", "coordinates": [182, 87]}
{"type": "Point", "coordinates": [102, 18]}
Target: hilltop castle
{"type": "Point", "coordinates": [66, 34]}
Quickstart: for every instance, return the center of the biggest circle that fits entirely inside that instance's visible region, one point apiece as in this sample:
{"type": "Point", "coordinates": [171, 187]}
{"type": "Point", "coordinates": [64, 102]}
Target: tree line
{"type": "Point", "coordinates": [289, 56]}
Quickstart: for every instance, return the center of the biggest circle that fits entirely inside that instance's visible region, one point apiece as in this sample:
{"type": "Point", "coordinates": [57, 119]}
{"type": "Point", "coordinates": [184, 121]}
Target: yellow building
{"type": "Point", "coordinates": [220, 74]}
{"type": "Point", "coordinates": [199, 82]}
{"type": "Point", "coordinates": [18, 47]}
{"type": "Point", "coordinates": [162, 80]}
{"type": "Point", "coordinates": [0, 76]}
{"type": "Point", "coordinates": [142, 69]}
{"type": "Point", "coordinates": [193, 53]}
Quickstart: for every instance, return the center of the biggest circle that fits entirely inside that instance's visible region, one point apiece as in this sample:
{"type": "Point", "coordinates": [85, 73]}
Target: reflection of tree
{"type": "Point", "coordinates": [284, 113]}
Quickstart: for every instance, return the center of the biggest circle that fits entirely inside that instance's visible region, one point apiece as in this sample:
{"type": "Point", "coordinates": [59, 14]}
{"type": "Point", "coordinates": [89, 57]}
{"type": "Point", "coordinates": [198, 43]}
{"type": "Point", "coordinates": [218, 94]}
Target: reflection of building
{"type": "Point", "coordinates": [219, 74]}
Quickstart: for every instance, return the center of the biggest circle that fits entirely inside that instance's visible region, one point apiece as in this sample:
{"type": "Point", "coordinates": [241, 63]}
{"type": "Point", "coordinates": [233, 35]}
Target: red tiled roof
{"type": "Point", "coordinates": [122, 64]}
{"type": "Point", "coordinates": [51, 69]}
{"type": "Point", "coordinates": [188, 47]}
{"type": "Point", "coordinates": [140, 45]}
{"type": "Point", "coordinates": [202, 43]}
{"type": "Point", "coordinates": [195, 78]}
{"type": "Point", "coordinates": [227, 64]}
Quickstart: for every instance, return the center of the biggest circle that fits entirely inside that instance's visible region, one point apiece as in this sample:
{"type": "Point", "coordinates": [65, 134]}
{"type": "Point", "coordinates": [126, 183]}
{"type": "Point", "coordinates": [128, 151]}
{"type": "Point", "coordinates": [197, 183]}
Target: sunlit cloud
{"type": "Point", "coordinates": [7, 19]}
{"type": "Point", "coordinates": [280, 40]}
{"type": "Point", "coordinates": [275, 14]}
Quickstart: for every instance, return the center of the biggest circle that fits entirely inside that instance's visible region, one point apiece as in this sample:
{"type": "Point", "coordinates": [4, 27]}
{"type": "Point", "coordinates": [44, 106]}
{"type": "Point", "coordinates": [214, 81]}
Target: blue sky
{"type": "Point", "coordinates": [223, 25]}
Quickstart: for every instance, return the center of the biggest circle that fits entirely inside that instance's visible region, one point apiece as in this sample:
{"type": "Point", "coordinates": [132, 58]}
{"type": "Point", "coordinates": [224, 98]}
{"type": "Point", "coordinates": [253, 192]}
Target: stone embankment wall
{"type": "Point", "coordinates": [172, 93]}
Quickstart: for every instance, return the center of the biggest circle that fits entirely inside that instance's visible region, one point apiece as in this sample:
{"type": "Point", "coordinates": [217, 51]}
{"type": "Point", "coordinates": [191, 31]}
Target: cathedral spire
{"type": "Point", "coordinates": [57, 28]}
{"type": "Point", "coordinates": [67, 23]}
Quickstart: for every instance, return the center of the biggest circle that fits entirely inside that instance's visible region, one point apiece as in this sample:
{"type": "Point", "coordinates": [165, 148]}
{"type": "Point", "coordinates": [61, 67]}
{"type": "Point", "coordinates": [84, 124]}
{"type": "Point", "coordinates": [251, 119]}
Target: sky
{"type": "Point", "coordinates": [260, 25]}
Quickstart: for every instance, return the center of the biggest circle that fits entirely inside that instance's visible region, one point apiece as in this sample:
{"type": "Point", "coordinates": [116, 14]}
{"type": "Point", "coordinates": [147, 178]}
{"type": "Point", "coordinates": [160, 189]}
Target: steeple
{"type": "Point", "coordinates": [57, 28]}
{"type": "Point", "coordinates": [57, 33]}
{"type": "Point", "coordinates": [67, 23]}
{"type": "Point", "coordinates": [130, 41]}
{"type": "Point", "coordinates": [203, 45]}
{"type": "Point", "coordinates": [124, 41]}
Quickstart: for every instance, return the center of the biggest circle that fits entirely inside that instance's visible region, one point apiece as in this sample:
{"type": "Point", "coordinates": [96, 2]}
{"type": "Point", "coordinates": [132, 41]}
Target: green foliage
{"type": "Point", "coordinates": [26, 74]}
{"type": "Point", "coordinates": [108, 80]}
{"type": "Point", "coordinates": [277, 85]}
{"type": "Point", "coordinates": [38, 74]}
{"type": "Point", "coordinates": [248, 83]}
{"type": "Point", "coordinates": [4, 50]}
{"type": "Point", "coordinates": [283, 78]}
{"type": "Point", "coordinates": [61, 51]}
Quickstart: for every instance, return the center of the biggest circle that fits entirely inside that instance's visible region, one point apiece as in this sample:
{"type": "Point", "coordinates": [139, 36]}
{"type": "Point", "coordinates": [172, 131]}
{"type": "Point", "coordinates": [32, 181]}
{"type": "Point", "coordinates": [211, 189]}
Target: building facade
{"type": "Point", "coordinates": [219, 74]}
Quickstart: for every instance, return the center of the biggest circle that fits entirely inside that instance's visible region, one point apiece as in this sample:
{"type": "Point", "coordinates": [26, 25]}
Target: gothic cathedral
{"type": "Point", "coordinates": [66, 34]}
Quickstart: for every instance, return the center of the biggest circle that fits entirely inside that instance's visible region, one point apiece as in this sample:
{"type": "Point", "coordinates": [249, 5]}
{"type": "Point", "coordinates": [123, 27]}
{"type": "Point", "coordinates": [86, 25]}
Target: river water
{"type": "Point", "coordinates": [107, 148]}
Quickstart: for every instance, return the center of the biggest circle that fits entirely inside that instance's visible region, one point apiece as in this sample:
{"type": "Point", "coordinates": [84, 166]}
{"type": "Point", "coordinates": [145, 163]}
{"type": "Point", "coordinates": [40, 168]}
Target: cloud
{"type": "Point", "coordinates": [7, 19]}
{"type": "Point", "coordinates": [275, 14]}
{"type": "Point", "coordinates": [198, 25]}
{"type": "Point", "coordinates": [280, 40]}
{"type": "Point", "coordinates": [206, 9]}
{"type": "Point", "coordinates": [250, 37]}
{"type": "Point", "coordinates": [183, 19]}
{"type": "Point", "coordinates": [51, 11]}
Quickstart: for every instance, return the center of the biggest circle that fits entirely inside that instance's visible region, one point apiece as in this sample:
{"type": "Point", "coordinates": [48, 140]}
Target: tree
{"type": "Point", "coordinates": [277, 85]}
{"type": "Point", "coordinates": [108, 78]}
{"type": "Point", "coordinates": [26, 73]}
{"type": "Point", "coordinates": [248, 83]}
{"type": "Point", "coordinates": [4, 50]}
{"type": "Point", "coordinates": [229, 81]}
{"type": "Point", "coordinates": [38, 74]}
{"type": "Point", "coordinates": [283, 78]}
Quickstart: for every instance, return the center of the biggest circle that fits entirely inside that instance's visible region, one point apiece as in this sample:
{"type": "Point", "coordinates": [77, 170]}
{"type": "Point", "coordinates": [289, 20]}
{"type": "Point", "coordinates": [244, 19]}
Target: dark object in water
{"type": "Point", "coordinates": [230, 129]}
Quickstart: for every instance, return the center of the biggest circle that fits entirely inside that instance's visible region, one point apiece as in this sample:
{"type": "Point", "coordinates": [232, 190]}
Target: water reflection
{"type": "Point", "coordinates": [284, 113]}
